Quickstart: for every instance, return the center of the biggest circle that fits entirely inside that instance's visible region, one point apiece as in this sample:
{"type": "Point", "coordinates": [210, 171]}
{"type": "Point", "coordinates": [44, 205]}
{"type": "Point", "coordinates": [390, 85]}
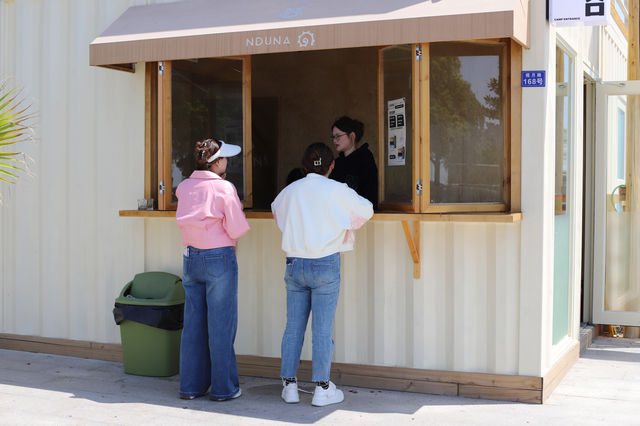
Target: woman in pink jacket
{"type": "Point", "coordinates": [211, 220]}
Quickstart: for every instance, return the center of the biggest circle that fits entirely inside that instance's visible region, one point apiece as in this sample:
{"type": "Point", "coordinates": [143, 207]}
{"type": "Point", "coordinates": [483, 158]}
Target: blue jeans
{"type": "Point", "coordinates": [313, 285]}
{"type": "Point", "coordinates": [207, 357]}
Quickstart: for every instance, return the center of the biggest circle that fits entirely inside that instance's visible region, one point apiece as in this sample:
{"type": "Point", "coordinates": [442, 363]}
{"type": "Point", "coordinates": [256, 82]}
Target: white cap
{"type": "Point", "coordinates": [226, 150]}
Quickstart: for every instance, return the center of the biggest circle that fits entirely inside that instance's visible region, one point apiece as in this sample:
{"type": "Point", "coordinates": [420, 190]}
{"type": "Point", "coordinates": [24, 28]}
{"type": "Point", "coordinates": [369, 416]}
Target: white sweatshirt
{"type": "Point", "coordinates": [317, 216]}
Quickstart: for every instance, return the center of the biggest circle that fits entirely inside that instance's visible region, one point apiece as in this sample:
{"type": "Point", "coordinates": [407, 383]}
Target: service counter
{"type": "Point", "coordinates": [453, 330]}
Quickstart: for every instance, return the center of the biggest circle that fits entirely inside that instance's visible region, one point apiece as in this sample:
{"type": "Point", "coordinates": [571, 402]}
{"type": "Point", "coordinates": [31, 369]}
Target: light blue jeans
{"type": "Point", "coordinates": [207, 357]}
{"type": "Point", "coordinates": [313, 285]}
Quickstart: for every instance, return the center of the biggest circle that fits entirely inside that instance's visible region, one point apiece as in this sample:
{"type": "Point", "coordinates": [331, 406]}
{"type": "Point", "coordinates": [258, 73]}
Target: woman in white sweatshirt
{"type": "Point", "coordinates": [317, 216]}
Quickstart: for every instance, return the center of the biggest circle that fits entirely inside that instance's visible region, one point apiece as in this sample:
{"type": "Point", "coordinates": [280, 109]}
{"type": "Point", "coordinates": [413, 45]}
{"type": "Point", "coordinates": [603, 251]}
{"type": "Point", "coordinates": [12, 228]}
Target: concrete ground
{"type": "Point", "coordinates": [603, 387]}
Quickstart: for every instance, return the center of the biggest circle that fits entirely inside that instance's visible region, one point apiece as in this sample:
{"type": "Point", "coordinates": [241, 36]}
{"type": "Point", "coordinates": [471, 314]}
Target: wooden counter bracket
{"type": "Point", "coordinates": [414, 244]}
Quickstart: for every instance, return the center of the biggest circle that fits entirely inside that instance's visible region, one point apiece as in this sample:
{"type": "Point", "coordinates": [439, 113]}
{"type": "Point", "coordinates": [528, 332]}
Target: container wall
{"type": "Point", "coordinates": [66, 253]}
{"type": "Point", "coordinates": [462, 314]}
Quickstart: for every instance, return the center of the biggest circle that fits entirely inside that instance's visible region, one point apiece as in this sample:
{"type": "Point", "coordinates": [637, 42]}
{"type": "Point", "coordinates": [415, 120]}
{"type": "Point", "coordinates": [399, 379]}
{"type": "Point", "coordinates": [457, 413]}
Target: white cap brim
{"type": "Point", "coordinates": [226, 150]}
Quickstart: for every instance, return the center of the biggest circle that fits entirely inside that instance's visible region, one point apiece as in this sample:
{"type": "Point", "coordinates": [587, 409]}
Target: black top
{"type": "Point", "coordinates": [359, 171]}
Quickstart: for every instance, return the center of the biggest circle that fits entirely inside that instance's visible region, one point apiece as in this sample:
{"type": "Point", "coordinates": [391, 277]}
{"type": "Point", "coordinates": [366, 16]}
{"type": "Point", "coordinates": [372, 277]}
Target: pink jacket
{"type": "Point", "coordinates": [209, 211]}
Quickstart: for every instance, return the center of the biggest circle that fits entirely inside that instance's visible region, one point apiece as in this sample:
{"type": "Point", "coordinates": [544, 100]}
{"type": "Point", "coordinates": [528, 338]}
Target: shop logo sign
{"type": "Point", "coordinates": [306, 39]}
{"type": "Point", "coordinates": [267, 41]}
{"type": "Point", "coordinates": [579, 12]}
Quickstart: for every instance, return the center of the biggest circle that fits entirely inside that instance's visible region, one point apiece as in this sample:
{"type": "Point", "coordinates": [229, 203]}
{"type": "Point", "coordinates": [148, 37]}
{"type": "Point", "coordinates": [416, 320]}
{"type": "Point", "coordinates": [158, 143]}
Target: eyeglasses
{"type": "Point", "coordinates": [336, 137]}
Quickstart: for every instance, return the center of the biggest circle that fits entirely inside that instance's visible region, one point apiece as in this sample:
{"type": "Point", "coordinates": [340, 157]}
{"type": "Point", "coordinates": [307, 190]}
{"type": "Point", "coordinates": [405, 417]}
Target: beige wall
{"type": "Point", "coordinates": [462, 314]}
{"type": "Point", "coordinates": [65, 253]}
{"type": "Point", "coordinates": [482, 303]}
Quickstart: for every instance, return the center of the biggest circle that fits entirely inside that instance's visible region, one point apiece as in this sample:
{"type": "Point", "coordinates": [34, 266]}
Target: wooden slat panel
{"type": "Point", "coordinates": [416, 120]}
{"type": "Point", "coordinates": [517, 395]}
{"type": "Point", "coordinates": [479, 379]}
{"type": "Point", "coordinates": [151, 131]}
{"type": "Point", "coordinates": [79, 349]}
{"type": "Point", "coordinates": [262, 366]}
{"type": "Point", "coordinates": [475, 385]}
{"type": "Point", "coordinates": [403, 385]}
{"type": "Point", "coordinates": [425, 127]}
{"type": "Point", "coordinates": [165, 136]}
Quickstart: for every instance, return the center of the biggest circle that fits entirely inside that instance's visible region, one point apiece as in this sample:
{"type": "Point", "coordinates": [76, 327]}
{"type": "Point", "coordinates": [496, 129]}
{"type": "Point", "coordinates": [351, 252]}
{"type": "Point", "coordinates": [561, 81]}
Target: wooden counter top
{"type": "Point", "coordinates": [423, 217]}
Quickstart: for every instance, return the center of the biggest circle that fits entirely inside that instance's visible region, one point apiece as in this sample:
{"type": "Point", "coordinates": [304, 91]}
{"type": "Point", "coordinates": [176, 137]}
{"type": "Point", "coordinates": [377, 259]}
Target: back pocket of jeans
{"type": "Point", "coordinates": [325, 272]}
{"type": "Point", "coordinates": [215, 265]}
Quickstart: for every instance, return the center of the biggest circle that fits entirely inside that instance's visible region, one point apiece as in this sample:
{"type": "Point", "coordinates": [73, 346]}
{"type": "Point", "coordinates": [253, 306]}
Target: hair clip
{"type": "Point", "coordinates": [317, 162]}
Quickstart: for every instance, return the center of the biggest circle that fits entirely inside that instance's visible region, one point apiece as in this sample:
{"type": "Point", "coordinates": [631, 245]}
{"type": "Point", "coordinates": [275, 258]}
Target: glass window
{"type": "Point", "coordinates": [467, 142]}
{"type": "Point", "coordinates": [266, 104]}
{"type": "Point", "coordinates": [206, 102]}
{"type": "Point", "coordinates": [397, 96]}
{"type": "Point", "coordinates": [562, 223]}
{"type": "Point", "coordinates": [295, 98]}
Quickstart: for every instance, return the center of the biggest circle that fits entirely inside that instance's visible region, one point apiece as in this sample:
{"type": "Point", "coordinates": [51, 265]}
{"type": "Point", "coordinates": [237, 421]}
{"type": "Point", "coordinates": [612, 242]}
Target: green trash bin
{"type": "Point", "coordinates": [150, 312]}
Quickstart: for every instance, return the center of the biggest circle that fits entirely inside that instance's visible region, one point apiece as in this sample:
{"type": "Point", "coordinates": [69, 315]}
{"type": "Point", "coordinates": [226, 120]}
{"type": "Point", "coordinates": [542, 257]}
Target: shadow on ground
{"type": "Point", "coordinates": [613, 349]}
{"type": "Point", "coordinates": [106, 383]}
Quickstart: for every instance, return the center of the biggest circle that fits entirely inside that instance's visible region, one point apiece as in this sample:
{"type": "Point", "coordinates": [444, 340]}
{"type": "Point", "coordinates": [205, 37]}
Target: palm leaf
{"type": "Point", "coordinates": [14, 128]}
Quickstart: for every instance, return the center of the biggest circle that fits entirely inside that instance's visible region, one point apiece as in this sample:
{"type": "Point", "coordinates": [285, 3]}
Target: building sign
{"type": "Point", "coordinates": [579, 12]}
{"type": "Point", "coordinates": [533, 79]}
{"type": "Point", "coordinates": [305, 39]}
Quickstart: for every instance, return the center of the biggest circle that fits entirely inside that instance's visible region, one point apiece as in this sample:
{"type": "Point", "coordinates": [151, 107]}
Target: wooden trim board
{"type": "Point", "coordinates": [556, 373]}
{"type": "Point", "coordinates": [149, 33]}
{"type": "Point", "coordinates": [503, 387]}
{"type": "Point", "coordinates": [66, 347]}
{"type": "Point", "coordinates": [423, 217]}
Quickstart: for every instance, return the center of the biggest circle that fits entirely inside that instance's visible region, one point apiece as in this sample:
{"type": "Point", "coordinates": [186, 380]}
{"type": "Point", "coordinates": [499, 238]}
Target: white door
{"type": "Point", "coordinates": [616, 262]}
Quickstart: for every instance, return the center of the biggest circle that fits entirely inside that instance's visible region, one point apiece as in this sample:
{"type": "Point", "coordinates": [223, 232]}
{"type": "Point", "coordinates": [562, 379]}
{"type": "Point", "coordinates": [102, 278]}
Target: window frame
{"type": "Point", "coordinates": [510, 117]}
{"type": "Point", "coordinates": [414, 205]}
{"type": "Point", "coordinates": [163, 140]}
{"type": "Point", "coordinates": [158, 134]}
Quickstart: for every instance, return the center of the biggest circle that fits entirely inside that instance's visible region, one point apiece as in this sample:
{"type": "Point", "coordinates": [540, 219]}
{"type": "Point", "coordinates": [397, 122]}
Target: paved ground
{"type": "Point", "coordinates": [603, 387]}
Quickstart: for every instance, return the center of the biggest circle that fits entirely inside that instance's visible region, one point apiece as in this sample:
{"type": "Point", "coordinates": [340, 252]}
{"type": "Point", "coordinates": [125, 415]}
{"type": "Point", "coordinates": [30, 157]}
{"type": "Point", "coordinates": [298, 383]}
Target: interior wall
{"type": "Point", "coordinates": [311, 90]}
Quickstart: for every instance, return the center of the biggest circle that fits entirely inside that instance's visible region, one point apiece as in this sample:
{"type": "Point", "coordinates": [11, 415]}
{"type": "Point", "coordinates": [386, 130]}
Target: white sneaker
{"type": "Point", "coordinates": [290, 392]}
{"type": "Point", "coordinates": [234, 396]}
{"type": "Point", "coordinates": [322, 397]}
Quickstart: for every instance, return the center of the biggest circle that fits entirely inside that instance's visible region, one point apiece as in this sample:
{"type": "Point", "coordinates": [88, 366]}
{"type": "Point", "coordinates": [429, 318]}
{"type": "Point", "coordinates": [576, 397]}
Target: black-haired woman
{"type": "Point", "coordinates": [317, 216]}
{"type": "Point", "coordinates": [355, 166]}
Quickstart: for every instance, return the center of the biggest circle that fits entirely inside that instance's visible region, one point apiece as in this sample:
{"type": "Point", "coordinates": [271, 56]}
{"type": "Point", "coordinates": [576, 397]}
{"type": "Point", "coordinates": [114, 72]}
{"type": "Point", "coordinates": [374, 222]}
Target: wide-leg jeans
{"type": "Point", "coordinates": [313, 285]}
{"type": "Point", "coordinates": [207, 356]}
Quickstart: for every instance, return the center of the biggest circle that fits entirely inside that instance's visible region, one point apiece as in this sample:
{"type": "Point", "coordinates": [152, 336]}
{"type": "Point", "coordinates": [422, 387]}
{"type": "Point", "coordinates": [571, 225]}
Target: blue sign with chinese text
{"type": "Point", "coordinates": [533, 79]}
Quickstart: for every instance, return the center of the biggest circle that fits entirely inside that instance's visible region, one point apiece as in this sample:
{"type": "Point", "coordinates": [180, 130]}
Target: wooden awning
{"type": "Point", "coordinates": [213, 28]}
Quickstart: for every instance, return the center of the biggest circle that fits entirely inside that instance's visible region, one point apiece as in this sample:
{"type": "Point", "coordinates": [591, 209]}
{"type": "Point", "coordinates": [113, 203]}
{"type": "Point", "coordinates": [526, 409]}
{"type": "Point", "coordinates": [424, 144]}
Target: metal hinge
{"type": "Point", "coordinates": [419, 187]}
{"type": "Point", "coordinates": [418, 52]}
{"type": "Point", "coordinates": [161, 187]}
{"type": "Point", "coordinates": [160, 68]}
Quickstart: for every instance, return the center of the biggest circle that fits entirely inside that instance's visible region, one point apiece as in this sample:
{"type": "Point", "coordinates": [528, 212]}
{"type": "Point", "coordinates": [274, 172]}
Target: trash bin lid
{"type": "Point", "coordinates": [153, 288]}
